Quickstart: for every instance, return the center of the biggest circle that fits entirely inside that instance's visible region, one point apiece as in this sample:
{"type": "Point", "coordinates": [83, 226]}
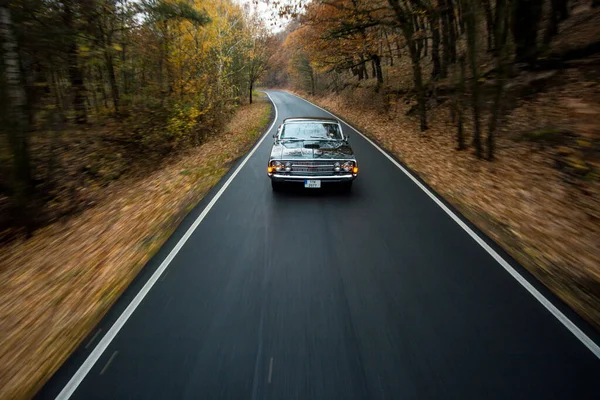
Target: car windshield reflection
{"type": "Point", "coordinates": [311, 131]}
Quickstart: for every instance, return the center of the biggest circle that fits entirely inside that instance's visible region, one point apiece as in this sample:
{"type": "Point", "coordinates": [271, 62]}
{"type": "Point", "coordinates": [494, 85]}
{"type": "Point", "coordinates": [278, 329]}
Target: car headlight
{"type": "Point", "coordinates": [281, 166]}
{"type": "Point", "coordinates": [347, 166]}
{"type": "Point", "coordinates": [336, 167]}
{"type": "Point", "coordinates": [277, 165]}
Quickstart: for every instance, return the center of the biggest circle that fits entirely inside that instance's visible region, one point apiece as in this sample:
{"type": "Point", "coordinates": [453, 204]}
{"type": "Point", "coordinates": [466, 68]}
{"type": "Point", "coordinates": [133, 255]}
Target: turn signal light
{"type": "Point", "coordinates": [269, 169]}
{"type": "Point", "coordinates": [355, 170]}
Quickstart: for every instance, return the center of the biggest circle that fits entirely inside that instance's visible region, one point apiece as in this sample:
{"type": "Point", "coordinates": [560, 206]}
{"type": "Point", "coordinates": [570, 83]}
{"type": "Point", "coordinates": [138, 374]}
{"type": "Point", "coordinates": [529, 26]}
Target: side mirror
{"type": "Point", "coordinates": [347, 137]}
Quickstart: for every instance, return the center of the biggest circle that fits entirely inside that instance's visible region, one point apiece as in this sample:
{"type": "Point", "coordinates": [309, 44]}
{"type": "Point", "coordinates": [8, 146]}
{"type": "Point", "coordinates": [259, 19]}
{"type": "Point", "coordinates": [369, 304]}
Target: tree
{"type": "Point", "coordinates": [300, 66]}
{"type": "Point", "coordinates": [471, 27]}
{"type": "Point", "coordinates": [558, 12]}
{"type": "Point", "coordinates": [526, 15]}
{"type": "Point", "coordinates": [406, 24]}
{"type": "Point", "coordinates": [169, 70]}
{"type": "Point", "coordinates": [261, 49]}
{"type": "Point", "coordinates": [75, 73]}
{"type": "Point", "coordinates": [501, 34]}
{"type": "Point", "coordinates": [16, 117]}
{"type": "Point", "coordinates": [458, 106]}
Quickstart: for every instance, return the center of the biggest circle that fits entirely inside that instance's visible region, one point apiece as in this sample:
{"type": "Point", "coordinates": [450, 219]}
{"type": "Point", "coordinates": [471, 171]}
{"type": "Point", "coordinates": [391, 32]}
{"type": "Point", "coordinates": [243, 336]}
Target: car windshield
{"type": "Point", "coordinates": [311, 131]}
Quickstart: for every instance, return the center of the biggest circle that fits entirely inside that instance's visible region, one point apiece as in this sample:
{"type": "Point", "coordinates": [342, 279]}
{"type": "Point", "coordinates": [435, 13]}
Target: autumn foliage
{"type": "Point", "coordinates": [145, 78]}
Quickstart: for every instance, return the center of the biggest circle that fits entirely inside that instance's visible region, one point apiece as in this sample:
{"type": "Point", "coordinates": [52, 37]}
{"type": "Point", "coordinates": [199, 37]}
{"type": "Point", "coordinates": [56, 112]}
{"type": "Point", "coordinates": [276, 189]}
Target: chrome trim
{"type": "Point", "coordinates": [313, 159]}
{"type": "Point", "coordinates": [320, 177]}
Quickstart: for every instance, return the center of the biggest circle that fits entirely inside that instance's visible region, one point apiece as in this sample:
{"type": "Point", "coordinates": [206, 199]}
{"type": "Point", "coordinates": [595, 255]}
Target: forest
{"type": "Point", "coordinates": [472, 46]}
{"type": "Point", "coordinates": [92, 89]}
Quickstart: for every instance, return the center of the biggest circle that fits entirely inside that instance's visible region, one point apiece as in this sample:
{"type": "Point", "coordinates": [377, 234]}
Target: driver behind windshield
{"type": "Point", "coordinates": [304, 131]}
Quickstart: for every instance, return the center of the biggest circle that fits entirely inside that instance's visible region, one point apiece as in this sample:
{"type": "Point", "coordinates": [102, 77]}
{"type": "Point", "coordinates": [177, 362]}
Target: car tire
{"type": "Point", "coordinates": [276, 186]}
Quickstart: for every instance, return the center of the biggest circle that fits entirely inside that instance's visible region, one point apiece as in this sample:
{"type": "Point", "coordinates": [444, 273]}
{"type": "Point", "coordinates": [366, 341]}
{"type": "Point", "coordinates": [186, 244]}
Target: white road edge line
{"type": "Point", "coordinates": [574, 329]}
{"type": "Point", "coordinates": [101, 347]}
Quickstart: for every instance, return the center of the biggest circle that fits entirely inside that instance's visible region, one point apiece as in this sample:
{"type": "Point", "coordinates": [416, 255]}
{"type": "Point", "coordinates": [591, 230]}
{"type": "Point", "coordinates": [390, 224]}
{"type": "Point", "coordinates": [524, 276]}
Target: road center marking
{"type": "Point", "coordinates": [109, 361]}
{"type": "Point", "coordinates": [270, 369]}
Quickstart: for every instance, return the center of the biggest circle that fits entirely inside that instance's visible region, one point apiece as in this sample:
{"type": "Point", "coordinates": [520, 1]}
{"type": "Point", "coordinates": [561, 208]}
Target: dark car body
{"type": "Point", "coordinates": [311, 151]}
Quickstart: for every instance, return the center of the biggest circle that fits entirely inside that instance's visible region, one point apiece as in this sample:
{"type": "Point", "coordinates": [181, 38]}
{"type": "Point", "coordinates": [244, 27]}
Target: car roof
{"type": "Point", "coordinates": [310, 120]}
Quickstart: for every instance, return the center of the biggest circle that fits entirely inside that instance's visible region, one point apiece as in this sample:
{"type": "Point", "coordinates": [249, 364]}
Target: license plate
{"type": "Point", "coordinates": [312, 183]}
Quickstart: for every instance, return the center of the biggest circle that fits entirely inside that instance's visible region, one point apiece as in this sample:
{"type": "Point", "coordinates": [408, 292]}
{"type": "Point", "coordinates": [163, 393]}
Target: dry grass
{"type": "Point", "coordinates": [551, 224]}
{"type": "Point", "coordinates": [56, 286]}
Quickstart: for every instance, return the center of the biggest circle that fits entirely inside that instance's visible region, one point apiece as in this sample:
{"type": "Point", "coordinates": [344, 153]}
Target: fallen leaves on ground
{"type": "Point", "coordinates": [56, 286]}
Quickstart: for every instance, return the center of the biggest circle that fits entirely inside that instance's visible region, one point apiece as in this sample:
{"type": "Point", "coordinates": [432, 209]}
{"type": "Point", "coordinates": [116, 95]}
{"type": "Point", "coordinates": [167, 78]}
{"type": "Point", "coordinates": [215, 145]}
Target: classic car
{"type": "Point", "coordinates": [311, 151]}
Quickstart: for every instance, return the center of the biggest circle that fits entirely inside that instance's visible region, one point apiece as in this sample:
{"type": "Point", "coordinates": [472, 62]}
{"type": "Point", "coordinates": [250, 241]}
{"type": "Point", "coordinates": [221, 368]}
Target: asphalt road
{"type": "Point", "coordinates": [378, 294]}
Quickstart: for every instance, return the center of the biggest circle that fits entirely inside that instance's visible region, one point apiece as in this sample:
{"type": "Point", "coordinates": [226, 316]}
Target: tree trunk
{"type": "Point", "coordinates": [75, 73]}
{"type": "Point", "coordinates": [111, 79]}
{"type": "Point", "coordinates": [489, 23]}
{"type": "Point", "coordinates": [452, 31]}
{"type": "Point", "coordinates": [501, 33]}
{"type": "Point", "coordinates": [471, 25]}
{"type": "Point", "coordinates": [558, 12]}
{"type": "Point", "coordinates": [461, 16]}
{"type": "Point", "coordinates": [423, 34]}
{"type": "Point", "coordinates": [250, 92]}
{"type": "Point", "coordinates": [416, 28]}
{"type": "Point", "coordinates": [94, 92]}
{"type": "Point", "coordinates": [377, 68]}
{"type": "Point", "coordinates": [526, 15]}
{"type": "Point", "coordinates": [17, 121]}
{"type": "Point", "coordinates": [445, 39]}
{"type": "Point", "coordinates": [363, 66]}
{"type": "Point", "coordinates": [460, 137]}
{"type": "Point", "coordinates": [418, 81]}
{"type": "Point", "coordinates": [101, 87]}
{"type": "Point", "coordinates": [408, 32]}
{"type": "Point", "coordinates": [434, 22]}
{"type": "Point", "coordinates": [387, 41]}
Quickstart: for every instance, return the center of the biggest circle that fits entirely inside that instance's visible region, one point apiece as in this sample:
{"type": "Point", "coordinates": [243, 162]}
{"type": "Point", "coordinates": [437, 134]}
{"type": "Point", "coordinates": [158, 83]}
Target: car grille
{"type": "Point", "coordinates": [312, 168]}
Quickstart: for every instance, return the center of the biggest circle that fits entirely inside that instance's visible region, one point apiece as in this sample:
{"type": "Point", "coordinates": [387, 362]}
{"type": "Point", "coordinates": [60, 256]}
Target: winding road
{"type": "Point", "coordinates": [384, 293]}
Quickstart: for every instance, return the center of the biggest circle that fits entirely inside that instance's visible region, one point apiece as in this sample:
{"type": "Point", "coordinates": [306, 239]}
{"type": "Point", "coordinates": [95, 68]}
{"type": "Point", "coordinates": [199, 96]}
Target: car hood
{"type": "Point", "coordinates": [327, 150]}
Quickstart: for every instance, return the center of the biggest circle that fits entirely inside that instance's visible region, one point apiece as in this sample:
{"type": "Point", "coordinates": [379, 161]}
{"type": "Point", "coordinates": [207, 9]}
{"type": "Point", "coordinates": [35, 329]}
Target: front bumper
{"type": "Point", "coordinates": [302, 178]}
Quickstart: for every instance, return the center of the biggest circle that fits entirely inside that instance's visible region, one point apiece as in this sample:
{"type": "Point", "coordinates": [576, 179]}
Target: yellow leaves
{"type": "Point", "coordinates": [117, 47]}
